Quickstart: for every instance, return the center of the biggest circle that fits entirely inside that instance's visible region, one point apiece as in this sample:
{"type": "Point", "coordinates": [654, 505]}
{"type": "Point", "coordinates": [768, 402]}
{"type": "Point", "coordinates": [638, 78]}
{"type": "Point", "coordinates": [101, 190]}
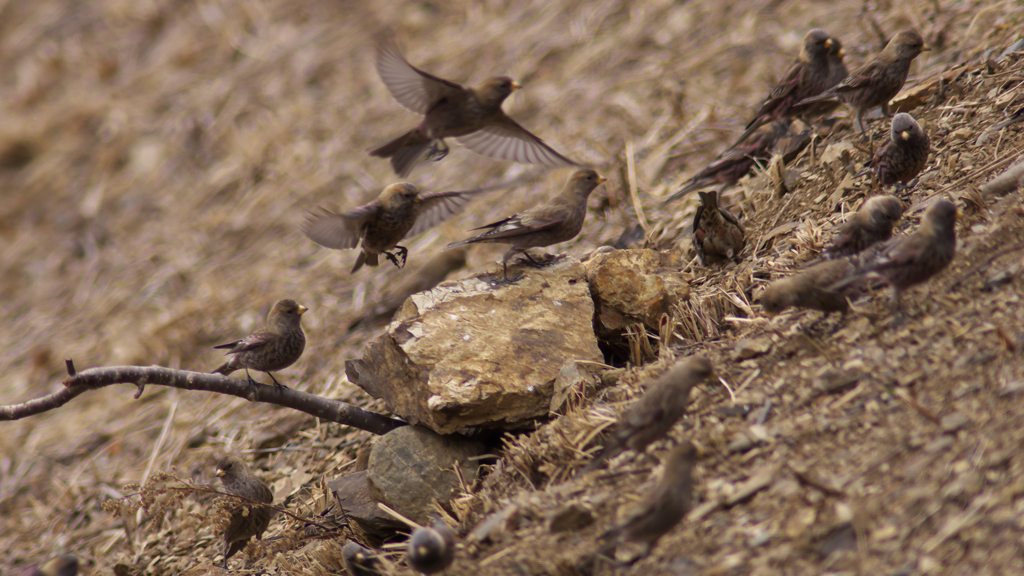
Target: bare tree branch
{"type": "Point", "coordinates": [140, 376]}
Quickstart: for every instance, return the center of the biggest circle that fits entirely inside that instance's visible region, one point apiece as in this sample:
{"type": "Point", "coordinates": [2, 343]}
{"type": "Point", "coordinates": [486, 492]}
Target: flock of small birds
{"type": "Point", "coordinates": [863, 250]}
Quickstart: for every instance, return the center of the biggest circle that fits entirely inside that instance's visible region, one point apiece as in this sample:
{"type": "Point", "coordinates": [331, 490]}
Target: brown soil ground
{"type": "Point", "coordinates": [158, 157]}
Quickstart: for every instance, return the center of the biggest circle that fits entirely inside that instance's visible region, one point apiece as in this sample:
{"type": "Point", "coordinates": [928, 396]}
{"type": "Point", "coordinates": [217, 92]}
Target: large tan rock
{"type": "Point", "coordinates": [481, 353]}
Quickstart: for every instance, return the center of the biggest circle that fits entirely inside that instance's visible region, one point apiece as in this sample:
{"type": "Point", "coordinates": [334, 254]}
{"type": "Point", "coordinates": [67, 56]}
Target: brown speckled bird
{"type": "Point", "coordinates": [431, 549]}
{"type": "Point", "coordinates": [806, 77]}
{"type": "Point", "coordinates": [360, 561]}
{"type": "Point", "coordinates": [473, 116]}
{"type": "Point", "coordinates": [904, 156]}
{"type": "Point", "coordinates": [66, 565]}
{"type": "Point", "coordinates": [663, 507]}
{"type": "Point", "coordinates": [274, 347]}
{"type": "Point", "coordinates": [837, 72]}
{"type": "Point", "coordinates": [735, 162]}
{"type": "Point", "coordinates": [400, 211]}
{"type": "Point", "coordinates": [651, 417]}
{"type": "Point", "coordinates": [557, 221]}
{"type": "Point", "coordinates": [717, 234]}
{"type": "Point", "coordinates": [878, 80]}
{"type": "Point", "coordinates": [906, 261]}
{"type": "Point", "coordinates": [247, 520]}
{"type": "Point", "coordinates": [811, 288]}
{"type": "Point", "coordinates": [868, 226]}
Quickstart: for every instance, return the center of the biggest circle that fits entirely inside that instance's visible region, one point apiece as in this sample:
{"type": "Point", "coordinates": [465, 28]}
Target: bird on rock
{"type": "Point", "coordinates": [473, 116]}
{"type": "Point", "coordinates": [431, 548]}
{"type": "Point", "coordinates": [662, 508]}
{"type": "Point", "coordinates": [904, 156]}
{"type": "Point", "coordinates": [560, 220]}
{"type": "Point", "coordinates": [866, 227]}
{"type": "Point", "coordinates": [651, 417]}
{"type": "Point", "coordinates": [247, 520]}
{"type": "Point", "coordinates": [401, 211]}
{"type": "Point", "coordinates": [275, 346]}
{"type": "Point", "coordinates": [806, 77]}
{"type": "Point", "coordinates": [878, 80]}
{"type": "Point", "coordinates": [717, 234]}
{"type": "Point", "coordinates": [735, 162]}
{"type": "Point", "coordinates": [906, 261]}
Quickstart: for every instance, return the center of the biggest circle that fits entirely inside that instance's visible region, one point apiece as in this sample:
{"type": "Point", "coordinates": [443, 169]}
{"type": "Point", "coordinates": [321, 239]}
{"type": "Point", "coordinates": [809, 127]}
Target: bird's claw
{"type": "Point", "coordinates": [438, 152]}
{"type": "Point", "coordinates": [400, 252]}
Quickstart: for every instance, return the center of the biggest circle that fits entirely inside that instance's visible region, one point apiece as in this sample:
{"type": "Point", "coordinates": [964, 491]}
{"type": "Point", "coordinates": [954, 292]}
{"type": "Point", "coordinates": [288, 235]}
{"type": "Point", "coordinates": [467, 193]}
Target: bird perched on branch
{"type": "Point", "coordinates": [717, 234]}
{"type": "Point", "coordinates": [473, 116]}
{"type": "Point", "coordinates": [878, 80]}
{"type": "Point", "coordinates": [806, 77]}
{"type": "Point", "coordinates": [431, 549]}
{"type": "Point", "coordinates": [651, 417]}
{"type": "Point", "coordinates": [906, 261]}
{"type": "Point", "coordinates": [868, 226]}
{"type": "Point", "coordinates": [274, 347]}
{"type": "Point", "coordinates": [247, 519]}
{"type": "Point", "coordinates": [401, 211]}
{"type": "Point", "coordinates": [904, 156]}
{"type": "Point", "coordinates": [662, 508]}
{"type": "Point", "coordinates": [557, 221]}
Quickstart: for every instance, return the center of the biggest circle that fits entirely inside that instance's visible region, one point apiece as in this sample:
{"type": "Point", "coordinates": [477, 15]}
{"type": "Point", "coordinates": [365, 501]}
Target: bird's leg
{"type": "Point", "coordinates": [276, 383]}
{"type": "Point", "coordinates": [885, 110]}
{"type": "Point", "coordinates": [252, 388]}
{"type": "Point", "coordinates": [403, 252]}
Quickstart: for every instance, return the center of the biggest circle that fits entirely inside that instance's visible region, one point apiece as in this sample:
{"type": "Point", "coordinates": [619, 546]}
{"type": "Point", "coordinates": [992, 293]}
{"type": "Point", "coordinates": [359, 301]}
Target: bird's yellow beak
{"type": "Point", "coordinates": [302, 309]}
{"type": "Point", "coordinates": [220, 472]}
{"type": "Point", "coordinates": [842, 52]}
{"type": "Point", "coordinates": [925, 48]}
{"type": "Point", "coordinates": [516, 86]}
{"type": "Point", "coordinates": [601, 179]}
{"type": "Point", "coordinates": [905, 135]}
{"type": "Point", "coordinates": [828, 43]}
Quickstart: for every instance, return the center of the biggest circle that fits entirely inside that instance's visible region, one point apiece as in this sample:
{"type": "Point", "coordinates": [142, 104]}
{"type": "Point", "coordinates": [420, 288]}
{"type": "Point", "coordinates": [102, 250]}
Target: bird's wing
{"type": "Point", "coordinates": [338, 231]}
{"type": "Point", "coordinates": [504, 139]}
{"type": "Point", "coordinates": [251, 342]}
{"type": "Point", "coordinates": [436, 207]}
{"type": "Point", "coordinates": [412, 87]}
{"type": "Point", "coordinates": [860, 76]}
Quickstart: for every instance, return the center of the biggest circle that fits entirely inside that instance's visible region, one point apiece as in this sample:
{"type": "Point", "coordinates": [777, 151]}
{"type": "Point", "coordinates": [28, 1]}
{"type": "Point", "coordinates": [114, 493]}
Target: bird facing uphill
{"type": "Point", "coordinates": [274, 347]}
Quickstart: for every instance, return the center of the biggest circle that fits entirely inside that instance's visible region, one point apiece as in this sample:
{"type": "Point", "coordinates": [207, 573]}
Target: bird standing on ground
{"type": "Point", "coordinates": [247, 520]}
{"type": "Point", "coordinates": [904, 156]}
{"type": "Point", "coordinates": [878, 80]}
{"type": "Point", "coordinates": [806, 77]}
{"type": "Point", "coordinates": [811, 288]}
{"type": "Point", "coordinates": [431, 549]}
{"type": "Point", "coordinates": [906, 261]}
{"type": "Point", "coordinates": [868, 226]}
{"type": "Point", "coordinates": [717, 234]}
{"type": "Point", "coordinates": [735, 162]}
{"type": "Point", "coordinates": [655, 413]}
{"type": "Point", "coordinates": [274, 347]}
{"type": "Point", "coordinates": [663, 507]}
{"type": "Point", "coordinates": [401, 211]}
{"type": "Point", "coordinates": [473, 116]}
{"type": "Point", "coordinates": [837, 72]}
{"type": "Point", "coordinates": [557, 221]}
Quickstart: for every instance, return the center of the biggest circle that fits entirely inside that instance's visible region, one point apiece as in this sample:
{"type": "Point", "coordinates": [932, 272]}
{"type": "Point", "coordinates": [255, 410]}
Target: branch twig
{"type": "Point", "coordinates": [139, 376]}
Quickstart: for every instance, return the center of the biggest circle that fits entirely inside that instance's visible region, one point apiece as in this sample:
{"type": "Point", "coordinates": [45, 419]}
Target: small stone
{"type": "Point", "coordinates": [748, 348]}
{"type": "Point", "coordinates": [571, 517]}
{"type": "Point", "coordinates": [741, 443]}
{"type": "Point", "coordinates": [953, 422]}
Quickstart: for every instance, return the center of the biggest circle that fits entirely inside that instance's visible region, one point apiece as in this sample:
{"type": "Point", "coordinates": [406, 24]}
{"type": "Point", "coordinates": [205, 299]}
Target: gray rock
{"type": "Point", "coordinates": [353, 493]}
{"type": "Point", "coordinates": [411, 467]}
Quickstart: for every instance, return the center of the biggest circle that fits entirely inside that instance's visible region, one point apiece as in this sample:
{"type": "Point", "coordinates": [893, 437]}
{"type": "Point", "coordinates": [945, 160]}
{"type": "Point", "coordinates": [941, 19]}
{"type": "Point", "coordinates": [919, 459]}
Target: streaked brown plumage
{"type": "Point", "coordinates": [651, 417]}
{"type": "Point", "coordinates": [905, 155]}
{"type": "Point", "coordinates": [276, 346]}
{"type": "Point", "coordinates": [878, 80]}
{"type": "Point", "coordinates": [717, 234]}
{"type": "Point", "coordinates": [806, 77]}
{"type": "Point", "coordinates": [811, 288]}
{"type": "Point", "coordinates": [906, 261]}
{"type": "Point", "coordinates": [431, 549]}
{"type": "Point", "coordinates": [560, 220]}
{"type": "Point", "coordinates": [663, 507]}
{"type": "Point", "coordinates": [735, 162]}
{"type": "Point", "coordinates": [401, 211]}
{"type": "Point", "coordinates": [868, 226]}
{"type": "Point", "coordinates": [360, 561]}
{"type": "Point", "coordinates": [425, 278]}
{"type": "Point", "coordinates": [473, 116]}
{"type": "Point", "coordinates": [66, 565]}
{"type": "Point", "coordinates": [247, 520]}
{"type": "Point", "coordinates": [837, 72]}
